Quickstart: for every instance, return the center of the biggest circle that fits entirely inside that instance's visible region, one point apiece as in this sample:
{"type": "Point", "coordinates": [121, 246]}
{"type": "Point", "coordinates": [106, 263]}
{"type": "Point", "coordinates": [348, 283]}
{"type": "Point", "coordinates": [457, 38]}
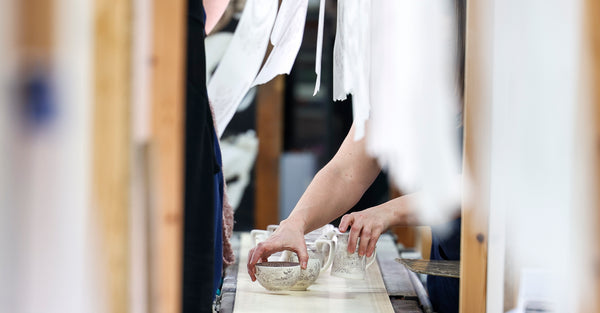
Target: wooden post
{"type": "Point", "coordinates": [592, 42]}
{"type": "Point", "coordinates": [112, 58]}
{"type": "Point", "coordinates": [166, 146]}
{"type": "Point", "coordinates": [269, 128]}
{"type": "Point", "coordinates": [36, 31]}
{"type": "Point", "coordinates": [476, 166]}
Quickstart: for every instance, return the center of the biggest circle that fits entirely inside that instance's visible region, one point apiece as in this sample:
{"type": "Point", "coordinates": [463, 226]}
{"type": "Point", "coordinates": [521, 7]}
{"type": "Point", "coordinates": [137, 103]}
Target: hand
{"type": "Point", "coordinates": [368, 225]}
{"type": "Point", "coordinates": [288, 236]}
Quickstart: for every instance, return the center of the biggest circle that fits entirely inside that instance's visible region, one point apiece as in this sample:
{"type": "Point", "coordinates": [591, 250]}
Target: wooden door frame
{"type": "Point", "coordinates": [476, 162]}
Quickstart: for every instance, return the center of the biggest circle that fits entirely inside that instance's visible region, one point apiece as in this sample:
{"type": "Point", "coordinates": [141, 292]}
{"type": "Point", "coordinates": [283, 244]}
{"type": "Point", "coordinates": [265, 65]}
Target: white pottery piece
{"type": "Point", "coordinates": [349, 265]}
{"type": "Point", "coordinates": [277, 276]}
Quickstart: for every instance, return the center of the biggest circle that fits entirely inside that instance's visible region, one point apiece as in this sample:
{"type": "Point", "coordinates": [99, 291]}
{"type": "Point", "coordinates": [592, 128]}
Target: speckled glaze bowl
{"type": "Point", "coordinates": [276, 276]}
{"type": "Point", "coordinates": [310, 274]}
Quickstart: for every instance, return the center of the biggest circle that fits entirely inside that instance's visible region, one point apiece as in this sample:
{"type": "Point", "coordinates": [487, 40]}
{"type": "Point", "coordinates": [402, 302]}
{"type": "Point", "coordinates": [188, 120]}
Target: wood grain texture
{"type": "Point", "coordinates": [111, 118]}
{"type": "Point", "coordinates": [433, 267]}
{"type": "Point", "coordinates": [476, 163]}
{"type": "Point", "coordinates": [166, 138]}
{"type": "Point", "coordinates": [269, 128]}
{"type": "Point", "coordinates": [592, 31]}
{"type": "Point", "coordinates": [328, 294]}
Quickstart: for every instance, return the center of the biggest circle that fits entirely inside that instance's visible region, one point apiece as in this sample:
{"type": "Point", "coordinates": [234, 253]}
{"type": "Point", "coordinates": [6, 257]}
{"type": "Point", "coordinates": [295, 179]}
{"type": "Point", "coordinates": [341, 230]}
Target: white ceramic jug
{"type": "Point", "coordinates": [349, 265]}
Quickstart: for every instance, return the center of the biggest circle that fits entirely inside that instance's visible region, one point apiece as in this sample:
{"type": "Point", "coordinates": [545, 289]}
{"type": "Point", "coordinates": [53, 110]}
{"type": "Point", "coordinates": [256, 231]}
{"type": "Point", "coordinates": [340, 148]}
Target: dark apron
{"type": "Point", "coordinates": [445, 245]}
{"type": "Point", "coordinates": [202, 234]}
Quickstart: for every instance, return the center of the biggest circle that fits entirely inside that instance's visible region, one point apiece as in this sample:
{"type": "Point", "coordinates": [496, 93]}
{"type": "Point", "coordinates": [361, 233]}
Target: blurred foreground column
{"type": "Point", "coordinates": [111, 165]}
{"type": "Point", "coordinates": [476, 160]}
{"type": "Point", "coordinates": [166, 154]}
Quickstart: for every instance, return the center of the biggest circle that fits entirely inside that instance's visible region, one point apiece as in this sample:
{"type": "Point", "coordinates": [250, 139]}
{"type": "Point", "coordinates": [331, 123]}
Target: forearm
{"type": "Point", "coordinates": [330, 194]}
{"type": "Point", "coordinates": [337, 187]}
{"type": "Point", "coordinates": [214, 9]}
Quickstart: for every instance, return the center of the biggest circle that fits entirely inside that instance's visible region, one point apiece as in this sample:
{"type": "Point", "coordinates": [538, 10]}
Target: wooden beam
{"type": "Point", "coordinates": [476, 166]}
{"type": "Point", "coordinates": [592, 36]}
{"type": "Point", "coordinates": [112, 41]}
{"type": "Point", "coordinates": [167, 131]}
{"type": "Point", "coordinates": [269, 128]}
{"type": "Point", "coordinates": [35, 30]}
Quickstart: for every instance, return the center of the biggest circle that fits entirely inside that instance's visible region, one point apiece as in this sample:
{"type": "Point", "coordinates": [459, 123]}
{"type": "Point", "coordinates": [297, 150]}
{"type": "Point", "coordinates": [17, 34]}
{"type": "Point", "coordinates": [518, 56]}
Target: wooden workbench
{"type": "Point", "coordinates": [389, 287]}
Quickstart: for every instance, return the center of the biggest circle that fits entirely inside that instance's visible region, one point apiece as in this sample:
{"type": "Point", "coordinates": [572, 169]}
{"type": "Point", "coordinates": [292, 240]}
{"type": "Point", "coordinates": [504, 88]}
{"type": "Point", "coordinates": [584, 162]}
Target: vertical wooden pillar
{"type": "Point", "coordinates": [167, 131]}
{"type": "Point", "coordinates": [269, 127]}
{"type": "Point", "coordinates": [476, 166]}
{"type": "Point", "coordinates": [36, 31]}
{"type": "Point", "coordinates": [111, 118]}
{"type": "Point", "coordinates": [592, 36]}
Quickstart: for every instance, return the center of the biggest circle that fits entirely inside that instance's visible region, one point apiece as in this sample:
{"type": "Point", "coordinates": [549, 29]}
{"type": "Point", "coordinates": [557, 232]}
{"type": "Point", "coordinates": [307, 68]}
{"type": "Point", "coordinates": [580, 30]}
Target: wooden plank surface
{"type": "Point", "coordinates": [406, 306]}
{"type": "Point", "coordinates": [111, 148]}
{"type": "Point", "coordinates": [395, 276]}
{"type": "Point", "coordinates": [166, 140]}
{"type": "Point", "coordinates": [328, 294]}
{"type": "Point", "coordinates": [269, 128]}
{"type": "Point", "coordinates": [476, 162]}
{"type": "Point", "coordinates": [433, 267]}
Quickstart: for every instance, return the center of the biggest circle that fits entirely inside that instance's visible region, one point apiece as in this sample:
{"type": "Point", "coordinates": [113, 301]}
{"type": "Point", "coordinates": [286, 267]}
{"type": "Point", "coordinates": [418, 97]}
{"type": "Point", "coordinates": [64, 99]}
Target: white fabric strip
{"type": "Point", "coordinates": [319, 52]}
{"type": "Point", "coordinates": [351, 59]}
{"type": "Point", "coordinates": [242, 60]}
{"type": "Point", "coordinates": [412, 129]}
{"type": "Point", "coordinates": [286, 39]}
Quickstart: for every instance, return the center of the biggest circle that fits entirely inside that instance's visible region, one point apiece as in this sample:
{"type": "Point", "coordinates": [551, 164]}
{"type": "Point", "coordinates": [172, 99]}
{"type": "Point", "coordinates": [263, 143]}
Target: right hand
{"type": "Point", "coordinates": [288, 236]}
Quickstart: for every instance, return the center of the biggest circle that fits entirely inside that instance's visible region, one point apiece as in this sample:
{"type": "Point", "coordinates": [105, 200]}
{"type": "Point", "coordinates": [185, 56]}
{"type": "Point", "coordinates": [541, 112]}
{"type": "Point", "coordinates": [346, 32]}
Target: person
{"type": "Point", "coordinates": [335, 189]}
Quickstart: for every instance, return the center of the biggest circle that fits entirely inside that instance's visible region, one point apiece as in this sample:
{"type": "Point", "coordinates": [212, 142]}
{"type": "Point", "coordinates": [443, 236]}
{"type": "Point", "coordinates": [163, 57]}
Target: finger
{"type": "Point", "coordinates": [373, 243]}
{"type": "Point", "coordinates": [302, 256]}
{"type": "Point", "coordinates": [250, 266]}
{"type": "Point", "coordinates": [355, 231]}
{"type": "Point", "coordinates": [346, 221]}
{"type": "Point", "coordinates": [365, 237]}
{"type": "Point", "coordinates": [256, 255]}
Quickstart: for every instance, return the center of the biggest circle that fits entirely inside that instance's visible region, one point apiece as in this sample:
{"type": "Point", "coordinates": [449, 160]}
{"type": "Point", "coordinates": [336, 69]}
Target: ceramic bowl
{"type": "Point", "coordinates": [277, 276]}
{"type": "Point", "coordinates": [309, 275]}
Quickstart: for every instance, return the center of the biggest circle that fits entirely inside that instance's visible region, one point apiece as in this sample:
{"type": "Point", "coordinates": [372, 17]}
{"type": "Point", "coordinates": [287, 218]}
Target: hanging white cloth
{"type": "Point", "coordinates": [319, 51]}
{"type": "Point", "coordinates": [242, 60]}
{"type": "Point", "coordinates": [412, 129]}
{"type": "Point", "coordinates": [286, 39]}
{"type": "Point", "coordinates": [352, 57]}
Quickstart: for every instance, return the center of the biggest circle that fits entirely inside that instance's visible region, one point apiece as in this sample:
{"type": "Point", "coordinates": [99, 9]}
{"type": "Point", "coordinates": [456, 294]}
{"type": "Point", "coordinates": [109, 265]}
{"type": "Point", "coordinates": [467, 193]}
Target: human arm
{"type": "Point", "coordinates": [333, 191]}
{"type": "Point", "coordinates": [214, 9]}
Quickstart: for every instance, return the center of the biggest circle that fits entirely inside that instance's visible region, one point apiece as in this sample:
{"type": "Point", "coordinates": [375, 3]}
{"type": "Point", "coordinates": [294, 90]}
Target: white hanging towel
{"type": "Point", "coordinates": [352, 59]}
{"type": "Point", "coordinates": [319, 51]}
{"type": "Point", "coordinates": [286, 39]}
{"type": "Point", "coordinates": [413, 130]}
{"type": "Point", "coordinates": [242, 60]}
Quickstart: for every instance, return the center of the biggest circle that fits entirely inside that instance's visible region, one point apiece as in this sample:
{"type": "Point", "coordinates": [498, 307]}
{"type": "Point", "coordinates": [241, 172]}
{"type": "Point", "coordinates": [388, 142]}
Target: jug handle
{"type": "Point", "coordinates": [319, 244]}
{"type": "Point", "coordinates": [255, 232]}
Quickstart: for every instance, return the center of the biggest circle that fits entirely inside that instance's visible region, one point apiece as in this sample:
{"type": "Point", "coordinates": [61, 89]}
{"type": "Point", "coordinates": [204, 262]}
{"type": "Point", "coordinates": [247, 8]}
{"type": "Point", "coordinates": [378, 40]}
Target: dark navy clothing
{"type": "Point", "coordinates": [445, 245]}
{"type": "Point", "coordinates": [203, 180]}
{"type": "Point", "coordinates": [218, 235]}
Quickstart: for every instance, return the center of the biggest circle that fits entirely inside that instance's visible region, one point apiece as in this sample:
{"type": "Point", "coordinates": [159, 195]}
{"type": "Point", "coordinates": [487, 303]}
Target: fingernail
{"type": "Point", "coordinates": [304, 264]}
